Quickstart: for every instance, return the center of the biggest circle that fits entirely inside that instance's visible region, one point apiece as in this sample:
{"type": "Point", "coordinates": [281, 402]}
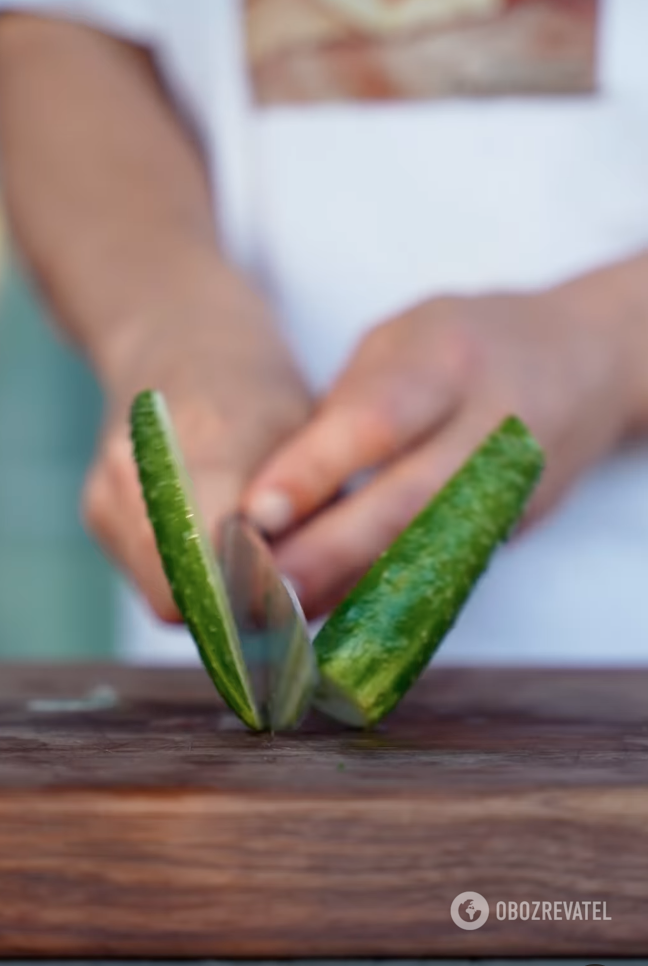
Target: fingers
{"type": "Point", "coordinates": [310, 469]}
{"type": "Point", "coordinates": [387, 398]}
{"type": "Point", "coordinates": [327, 556]}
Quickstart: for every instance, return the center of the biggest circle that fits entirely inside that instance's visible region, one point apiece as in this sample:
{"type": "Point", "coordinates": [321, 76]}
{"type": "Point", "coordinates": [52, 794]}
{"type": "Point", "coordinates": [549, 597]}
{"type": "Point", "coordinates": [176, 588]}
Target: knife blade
{"type": "Point", "coordinates": [273, 633]}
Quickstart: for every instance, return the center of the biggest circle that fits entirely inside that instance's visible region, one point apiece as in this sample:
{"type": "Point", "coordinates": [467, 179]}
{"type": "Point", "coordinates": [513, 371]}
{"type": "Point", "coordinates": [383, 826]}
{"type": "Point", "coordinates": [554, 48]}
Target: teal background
{"type": "Point", "coordinates": [57, 592]}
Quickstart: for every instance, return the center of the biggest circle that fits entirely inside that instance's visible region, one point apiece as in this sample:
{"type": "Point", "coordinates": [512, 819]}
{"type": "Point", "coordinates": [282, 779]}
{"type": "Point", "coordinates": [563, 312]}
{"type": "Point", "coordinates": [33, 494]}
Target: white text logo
{"type": "Point", "coordinates": [469, 910]}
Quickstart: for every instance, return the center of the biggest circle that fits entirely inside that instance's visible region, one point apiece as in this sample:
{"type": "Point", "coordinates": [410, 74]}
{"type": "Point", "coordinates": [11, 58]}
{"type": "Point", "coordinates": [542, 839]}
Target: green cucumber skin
{"type": "Point", "coordinates": [379, 639]}
{"type": "Point", "coordinates": [178, 539]}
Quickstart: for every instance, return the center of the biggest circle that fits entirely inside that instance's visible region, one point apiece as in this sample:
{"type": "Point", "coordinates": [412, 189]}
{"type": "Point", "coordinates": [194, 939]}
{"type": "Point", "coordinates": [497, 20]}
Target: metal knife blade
{"type": "Point", "coordinates": [275, 641]}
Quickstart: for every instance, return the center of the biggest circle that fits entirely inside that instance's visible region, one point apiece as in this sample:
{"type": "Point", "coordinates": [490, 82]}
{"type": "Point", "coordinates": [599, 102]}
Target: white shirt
{"type": "Point", "coordinates": [350, 212]}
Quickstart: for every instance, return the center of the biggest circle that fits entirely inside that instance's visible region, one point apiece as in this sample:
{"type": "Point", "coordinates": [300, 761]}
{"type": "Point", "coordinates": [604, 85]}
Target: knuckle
{"type": "Point", "coordinates": [112, 471]}
{"type": "Point", "coordinates": [461, 352]}
{"type": "Point", "coordinates": [286, 417]}
{"type": "Point", "coordinates": [378, 428]}
{"type": "Point", "coordinates": [378, 344]}
{"type": "Point", "coordinates": [361, 435]}
{"type": "Point", "coordinates": [163, 607]}
{"type": "Point", "coordinates": [149, 575]}
{"type": "Point", "coordinates": [95, 501]}
{"type": "Point", "coordinates": [116, 461]}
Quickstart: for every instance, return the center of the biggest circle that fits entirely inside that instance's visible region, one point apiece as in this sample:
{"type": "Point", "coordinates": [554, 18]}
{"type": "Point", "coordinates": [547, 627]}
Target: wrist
{"type": "Point", "coordinates": [196, 298]}
{"type": "Point", "coordinates": [613, 303]}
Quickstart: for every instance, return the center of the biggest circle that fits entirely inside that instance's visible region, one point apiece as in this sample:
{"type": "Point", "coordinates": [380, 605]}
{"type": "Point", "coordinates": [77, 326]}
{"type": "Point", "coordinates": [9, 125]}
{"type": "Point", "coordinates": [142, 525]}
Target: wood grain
{"type": "Point", "coordinates": [159, 827]}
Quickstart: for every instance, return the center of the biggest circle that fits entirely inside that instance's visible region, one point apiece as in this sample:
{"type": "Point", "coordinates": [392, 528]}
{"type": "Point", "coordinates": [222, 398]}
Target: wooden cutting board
{"type": "Point", "coordinates": [156, 826]}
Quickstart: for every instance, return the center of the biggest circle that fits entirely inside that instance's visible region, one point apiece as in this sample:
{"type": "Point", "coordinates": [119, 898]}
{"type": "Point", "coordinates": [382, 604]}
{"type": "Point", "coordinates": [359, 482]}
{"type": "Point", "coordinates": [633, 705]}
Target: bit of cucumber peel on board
{"type": "Point", "coordinates": [377, 641]}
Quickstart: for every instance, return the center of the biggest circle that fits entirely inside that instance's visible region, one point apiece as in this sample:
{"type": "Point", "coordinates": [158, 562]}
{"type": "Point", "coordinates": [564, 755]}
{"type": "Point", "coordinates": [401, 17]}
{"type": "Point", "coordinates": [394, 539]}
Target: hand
{"type": "Point", "coordinates": [419, 394]}
{"type": "Point", "coordinates": [233, 393]}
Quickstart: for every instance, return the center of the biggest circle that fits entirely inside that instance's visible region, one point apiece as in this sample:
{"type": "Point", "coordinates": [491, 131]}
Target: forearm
{"type": "Point", "coordinates": [105, 189]}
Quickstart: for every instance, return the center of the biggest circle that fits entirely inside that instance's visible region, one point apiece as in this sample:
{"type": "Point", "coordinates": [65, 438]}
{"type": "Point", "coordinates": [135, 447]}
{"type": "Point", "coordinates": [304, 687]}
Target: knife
{"type": "Point", "coordinates": [275, 641]}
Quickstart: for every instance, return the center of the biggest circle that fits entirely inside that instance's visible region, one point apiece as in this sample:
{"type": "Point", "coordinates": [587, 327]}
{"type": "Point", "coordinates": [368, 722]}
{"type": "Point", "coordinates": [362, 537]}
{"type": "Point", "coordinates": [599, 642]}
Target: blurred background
{"type": "Point", "coordinates": [57, 592]}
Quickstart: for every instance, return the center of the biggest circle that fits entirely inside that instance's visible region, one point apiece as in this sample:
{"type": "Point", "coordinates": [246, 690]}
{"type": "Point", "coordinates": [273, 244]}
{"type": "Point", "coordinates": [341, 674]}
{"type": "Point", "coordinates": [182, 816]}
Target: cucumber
{"type": "Point", "coordinates": [379, 639]}
{"type": "Point", "coordinates": [187, 556]}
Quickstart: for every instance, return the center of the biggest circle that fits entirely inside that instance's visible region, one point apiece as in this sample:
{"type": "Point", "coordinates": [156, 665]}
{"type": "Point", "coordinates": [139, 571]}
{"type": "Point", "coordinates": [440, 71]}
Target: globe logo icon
{"type": "Point", "coordinates": [469, 910]}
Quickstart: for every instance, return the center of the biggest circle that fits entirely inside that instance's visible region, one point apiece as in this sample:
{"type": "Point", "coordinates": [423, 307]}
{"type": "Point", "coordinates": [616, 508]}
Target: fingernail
{"type": "Point", "coordinates": [271, 510]}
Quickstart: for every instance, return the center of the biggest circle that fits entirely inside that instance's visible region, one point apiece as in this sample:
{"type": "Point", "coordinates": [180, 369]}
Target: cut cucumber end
{"type": "Point", "coordinates": [334, 701]}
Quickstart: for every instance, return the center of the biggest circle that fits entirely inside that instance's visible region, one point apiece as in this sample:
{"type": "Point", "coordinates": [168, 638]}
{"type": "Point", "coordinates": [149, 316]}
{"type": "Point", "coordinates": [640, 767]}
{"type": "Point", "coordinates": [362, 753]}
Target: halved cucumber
{"type": "Point", "coordinates": [187, 556]}
{"type": "Point", "coordinates": [379, 639]}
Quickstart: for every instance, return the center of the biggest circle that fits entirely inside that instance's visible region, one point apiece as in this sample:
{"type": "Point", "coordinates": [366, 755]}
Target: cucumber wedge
{"type": "Point", "coordinates": [187, 556]}
{"type": "Point", "coordinates": [379, 639]}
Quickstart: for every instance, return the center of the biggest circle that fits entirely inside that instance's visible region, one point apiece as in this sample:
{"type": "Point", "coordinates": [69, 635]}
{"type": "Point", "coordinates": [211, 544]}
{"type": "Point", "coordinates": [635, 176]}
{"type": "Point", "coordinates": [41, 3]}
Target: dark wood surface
{"type": "Point", "coordinates": [160, 827]}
